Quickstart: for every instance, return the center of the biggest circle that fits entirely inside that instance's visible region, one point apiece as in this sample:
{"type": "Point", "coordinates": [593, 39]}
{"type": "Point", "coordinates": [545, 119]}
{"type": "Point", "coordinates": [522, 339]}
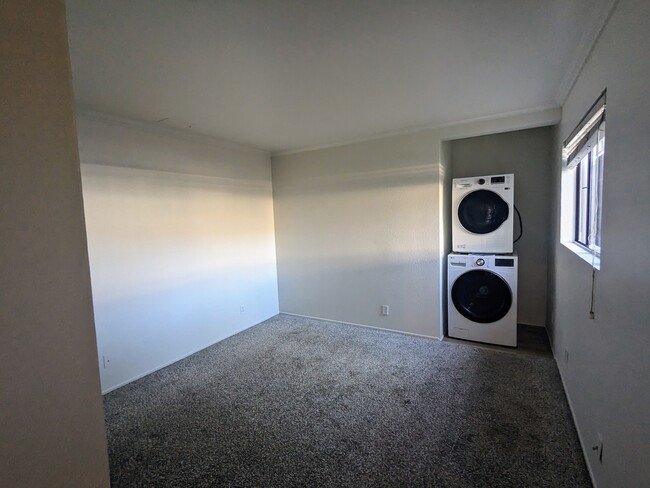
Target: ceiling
{"type": "Point", "coordinates": [286, 74]}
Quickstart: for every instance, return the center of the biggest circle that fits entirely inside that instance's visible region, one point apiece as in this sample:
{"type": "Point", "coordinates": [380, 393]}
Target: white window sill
{"type": "Point", "coordinates": [583, 253]}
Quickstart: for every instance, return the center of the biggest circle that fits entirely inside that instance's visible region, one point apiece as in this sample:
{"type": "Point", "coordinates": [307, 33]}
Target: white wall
{"type": "Point", "coordinates": [529, 155]}
{"type": "Point", "coordinates": [360, 225]}
{"type": "Point", "coordinates": [51, 419]}
{"type": "Point", "coordinates": [180, 236]}
{"type": "Point", "coordinates": [607, 373]}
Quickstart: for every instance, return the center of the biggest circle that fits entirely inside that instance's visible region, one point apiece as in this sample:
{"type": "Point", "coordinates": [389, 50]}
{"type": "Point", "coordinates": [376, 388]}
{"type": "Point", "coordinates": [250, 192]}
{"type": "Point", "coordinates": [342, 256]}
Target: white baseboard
{"type": "Point", "coordinates": [362, 325]}
{"type": "Point", "coordinates": [585, 452]}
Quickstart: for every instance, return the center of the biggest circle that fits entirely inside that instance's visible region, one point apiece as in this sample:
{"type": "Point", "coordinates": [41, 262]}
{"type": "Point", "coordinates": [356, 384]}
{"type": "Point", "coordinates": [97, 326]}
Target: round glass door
{"type": "Point", "coordinates": [482, 211]}
{"type": "Point", "coordinates": [481, 296]}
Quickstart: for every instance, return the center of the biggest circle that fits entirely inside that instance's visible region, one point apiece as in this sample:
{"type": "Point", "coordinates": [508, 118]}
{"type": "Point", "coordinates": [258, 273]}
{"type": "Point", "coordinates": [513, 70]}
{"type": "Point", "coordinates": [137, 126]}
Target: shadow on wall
{"type": "Point", "coordinates": [173, 257]}
{"type": "Point", "coordinates": [349, 241]}
{"type": "Point", "coordinates": [145, 330]}
{"type": "Point", "coordinates": [174, 181]}
{"type": "Point", "coordinates": [162, 228]}
{"type": "Point", "coordinates": [528, 154]}
{"type": "Point", "coordinates": [343, 181]}
{"type": "Point", "coordinates": [361, 216]}
{"type": "Point", "coordinates": [356, 291]}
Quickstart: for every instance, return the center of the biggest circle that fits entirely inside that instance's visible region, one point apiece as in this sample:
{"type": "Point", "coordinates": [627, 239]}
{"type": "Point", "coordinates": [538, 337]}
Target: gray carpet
{"type": "Point", "coordinates": [298, 402]}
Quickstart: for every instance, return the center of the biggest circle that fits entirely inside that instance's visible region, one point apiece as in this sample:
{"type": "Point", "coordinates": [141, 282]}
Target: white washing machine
{"type": "Point", "coordinates": [483, 213]}
{"type": "Point", "coordinates": [482, 298]}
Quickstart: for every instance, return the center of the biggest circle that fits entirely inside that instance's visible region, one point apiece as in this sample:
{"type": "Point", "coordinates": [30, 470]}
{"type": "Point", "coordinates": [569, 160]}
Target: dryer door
{"type": "Point", "coordinates": [481, 296]}
{"type": "Point", "coordinates": [482, 211]}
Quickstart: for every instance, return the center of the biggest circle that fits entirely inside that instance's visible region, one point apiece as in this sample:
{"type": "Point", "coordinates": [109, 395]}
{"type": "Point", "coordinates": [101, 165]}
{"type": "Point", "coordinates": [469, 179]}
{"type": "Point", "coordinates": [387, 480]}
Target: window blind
{"type": "Point", "coordinates": [583, 137]}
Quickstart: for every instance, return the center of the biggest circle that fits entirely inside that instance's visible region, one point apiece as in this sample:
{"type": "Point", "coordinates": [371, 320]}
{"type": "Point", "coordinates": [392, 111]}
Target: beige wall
{"type": "Point", "coordinates": [180, 237]}
{"type": "Point", "coordinates": [361, 225]}
{"type": "Point", "coordinates": [527, 154]}
{"type": "Point", "coordinates": [356, 227]}
{"type": "Point", "coordinates": [445, 228]}
{"type": "Point", "coordinates": [51, 427]}
{"type": "Point", "coordinates": [607, 372]}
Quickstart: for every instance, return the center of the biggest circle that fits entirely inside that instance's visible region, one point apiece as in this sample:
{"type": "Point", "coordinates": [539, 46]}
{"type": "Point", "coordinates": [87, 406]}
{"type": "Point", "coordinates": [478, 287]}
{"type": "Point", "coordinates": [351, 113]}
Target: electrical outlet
{"type": "Point", "coordinates": [385, 310]}
{"type": "Point", "coordinates": [242, 309]}
{"type": "Point", "coordinates": [106, 361]}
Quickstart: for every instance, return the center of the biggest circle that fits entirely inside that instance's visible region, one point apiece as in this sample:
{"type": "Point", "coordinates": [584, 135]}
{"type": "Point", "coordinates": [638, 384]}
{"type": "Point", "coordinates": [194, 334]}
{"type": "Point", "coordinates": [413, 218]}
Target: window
{"type": "Point", "coordinates": [589, 191]}
{"type": "Point", "coordinates": [582, 185]}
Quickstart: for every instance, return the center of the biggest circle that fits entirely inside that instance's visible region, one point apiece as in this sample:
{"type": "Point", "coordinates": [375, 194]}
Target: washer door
{"type": "Point", "coordinates": [481, 296]}
{"type": "Point", "coordinates": [482, 211]}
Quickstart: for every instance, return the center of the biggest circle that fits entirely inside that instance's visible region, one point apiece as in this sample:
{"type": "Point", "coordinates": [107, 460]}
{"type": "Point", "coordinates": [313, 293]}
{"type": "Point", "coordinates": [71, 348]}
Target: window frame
{"type": "Point", "coordinates": [583, 165]}
{"type": "Point", "coordinates": [580, 186]}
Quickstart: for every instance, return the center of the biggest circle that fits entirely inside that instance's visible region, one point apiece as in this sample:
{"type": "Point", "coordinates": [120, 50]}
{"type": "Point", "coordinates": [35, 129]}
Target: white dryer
{"type": "Point", "coordinates": [482, 298]}
{"type": "Point", "coordinates": [483, 213]}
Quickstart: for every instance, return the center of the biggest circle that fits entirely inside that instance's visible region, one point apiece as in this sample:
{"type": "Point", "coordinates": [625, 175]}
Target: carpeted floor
{"type": "Point", "coordinates": [298, 402]}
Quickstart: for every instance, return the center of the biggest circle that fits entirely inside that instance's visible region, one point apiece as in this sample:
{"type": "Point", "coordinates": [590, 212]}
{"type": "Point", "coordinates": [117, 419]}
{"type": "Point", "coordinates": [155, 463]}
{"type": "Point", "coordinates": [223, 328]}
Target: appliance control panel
{"type": "Point", "coordinates": [485, 181]}
{"type": "Point", "coordinates": [459, 260]}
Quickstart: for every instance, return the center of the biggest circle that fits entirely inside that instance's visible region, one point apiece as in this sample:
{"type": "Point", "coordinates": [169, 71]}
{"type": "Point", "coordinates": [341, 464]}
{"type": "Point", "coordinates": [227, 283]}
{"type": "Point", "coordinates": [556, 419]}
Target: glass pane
{"type": "Point", "coordinates": [582, 212]}
{"type": "Point", "coordinates": [481, 296]}
{"type": "Point", "coordinates": [482, 211]}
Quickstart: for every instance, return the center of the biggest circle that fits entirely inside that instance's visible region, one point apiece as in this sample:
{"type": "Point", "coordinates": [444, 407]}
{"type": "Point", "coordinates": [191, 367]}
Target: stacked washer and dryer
{"type": "Point", "coordinates": [482, 269]}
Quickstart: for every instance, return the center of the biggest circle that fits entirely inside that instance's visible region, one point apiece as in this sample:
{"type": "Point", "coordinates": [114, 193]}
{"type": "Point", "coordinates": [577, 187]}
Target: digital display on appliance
{"type": "Point", "coordinates": [504, 262]}
{"type": "Point", "coordinates": [498, 179]}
